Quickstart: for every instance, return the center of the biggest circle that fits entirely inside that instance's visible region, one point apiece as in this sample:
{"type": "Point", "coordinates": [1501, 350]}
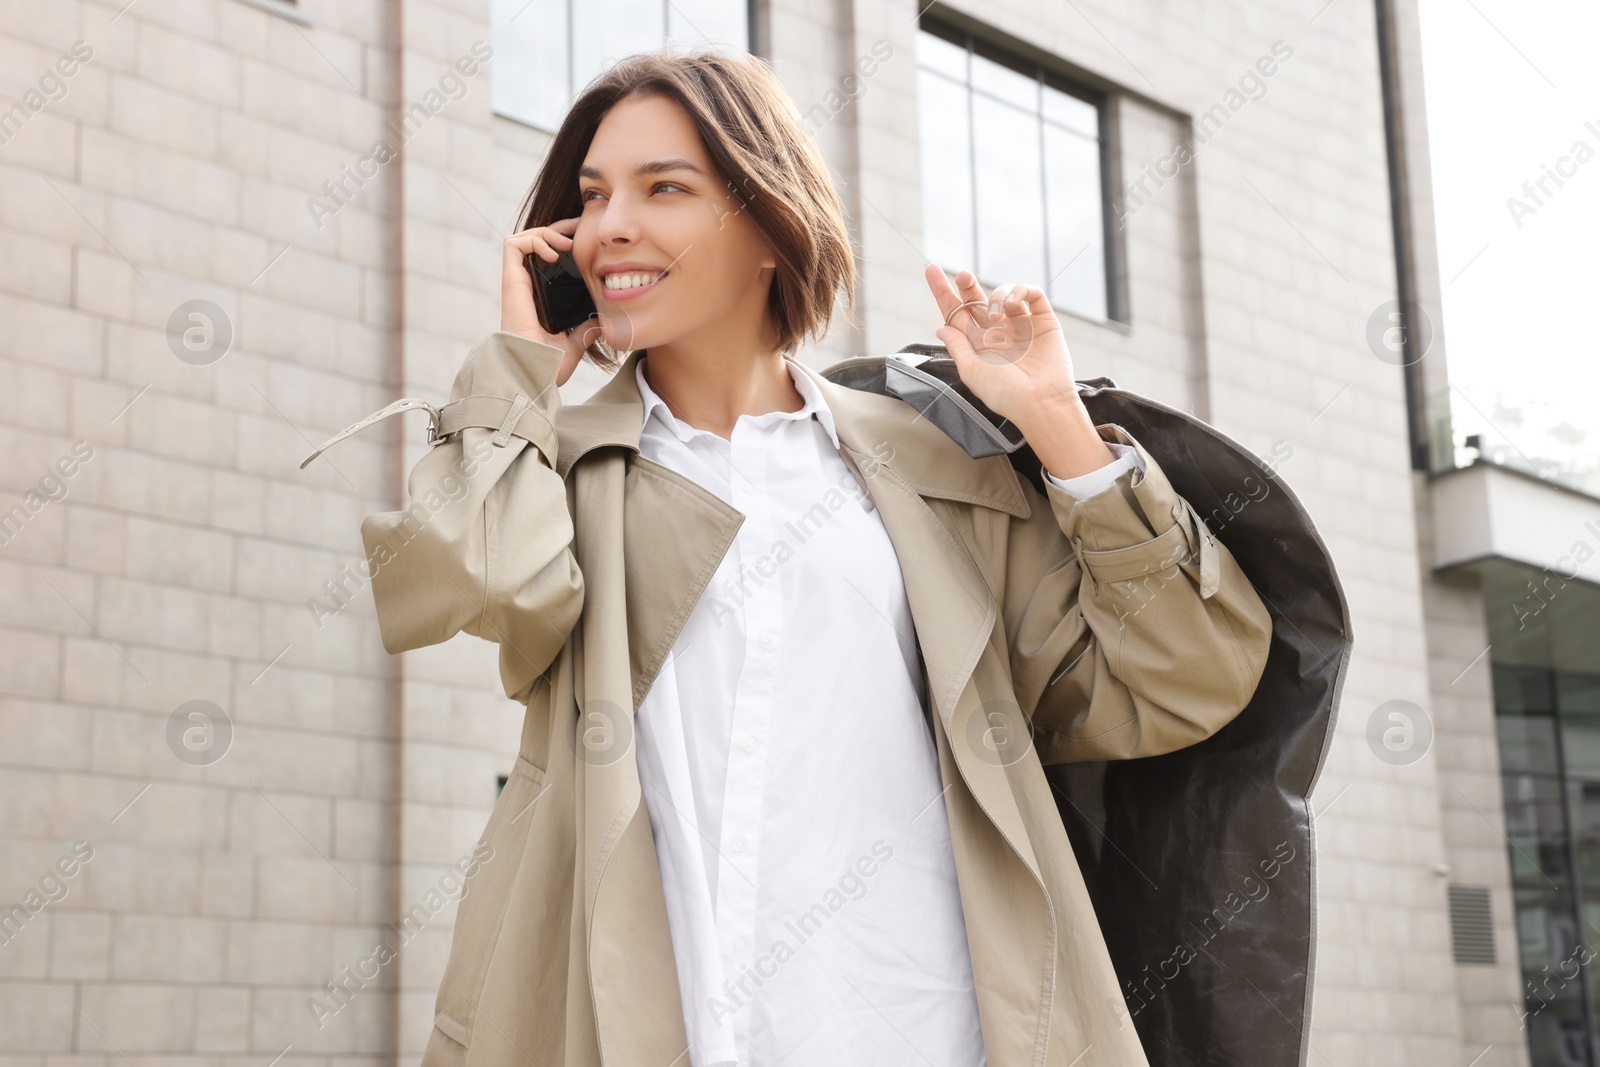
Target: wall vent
{"type": "Point", "coordinates": [1471, 927]}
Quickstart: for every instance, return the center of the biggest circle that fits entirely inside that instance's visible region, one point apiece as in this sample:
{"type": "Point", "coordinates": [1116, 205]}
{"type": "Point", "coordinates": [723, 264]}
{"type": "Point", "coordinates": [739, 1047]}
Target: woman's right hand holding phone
{"type": "Point", "coordinates": [518, 314]}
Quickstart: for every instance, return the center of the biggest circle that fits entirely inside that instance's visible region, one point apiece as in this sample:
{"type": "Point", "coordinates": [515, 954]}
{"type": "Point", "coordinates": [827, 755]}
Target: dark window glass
{"type": "Point", "coordinates": [1549, 731]}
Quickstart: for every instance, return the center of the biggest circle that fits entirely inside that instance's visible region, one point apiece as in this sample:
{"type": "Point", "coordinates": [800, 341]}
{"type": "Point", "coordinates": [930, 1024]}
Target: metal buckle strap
{"type": "Point", "coordinates": [504, 415]}
{"type": "Point", "coordinates": [403, 404]}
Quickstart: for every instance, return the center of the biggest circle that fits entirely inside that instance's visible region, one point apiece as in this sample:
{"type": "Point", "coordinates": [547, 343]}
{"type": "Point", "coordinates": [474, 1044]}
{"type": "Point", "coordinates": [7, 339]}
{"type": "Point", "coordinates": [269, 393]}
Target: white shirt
{"type": "Point", "coordinates": [790, 774]}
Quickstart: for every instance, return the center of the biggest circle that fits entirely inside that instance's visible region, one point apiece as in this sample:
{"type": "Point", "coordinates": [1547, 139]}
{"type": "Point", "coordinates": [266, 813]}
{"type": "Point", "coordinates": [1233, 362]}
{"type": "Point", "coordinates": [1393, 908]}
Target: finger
{"type": "Point", "coordinates": [512, 253]}
{"type": "Point", "coordinates": [1000, 300]}
{"type": "Point", "coordinates": [974, 318]}
{"type": "Point", "coordinates": [1038, 303]}
{"type": "Point", "coordinates": [949, 299]}
{"type": "Point", "coordinates": [539, 243]}
{"type": "Point", "coordinates": [1019, 302]}
{"type": "Point", "coordinates": [542, 243]}
{"type": "Point", "coordinates": [548, 234]}
{"type": "Point", "coordinates": [523, 242]}
{"type": "Point", "coordinates": [944, 294]}
{"type": "Point", "coordinates": [955, 343]}
{"type": "Point", "coordinates": [967, 285]}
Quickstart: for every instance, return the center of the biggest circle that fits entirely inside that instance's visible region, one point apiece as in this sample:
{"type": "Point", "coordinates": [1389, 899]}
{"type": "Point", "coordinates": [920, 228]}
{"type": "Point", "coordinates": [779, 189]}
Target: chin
{"type": "Point", "coordinates": [625, 335]}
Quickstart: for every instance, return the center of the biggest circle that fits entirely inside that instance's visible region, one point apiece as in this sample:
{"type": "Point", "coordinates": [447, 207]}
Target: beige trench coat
{"type": "Point", "coordinates": [1052, 630]}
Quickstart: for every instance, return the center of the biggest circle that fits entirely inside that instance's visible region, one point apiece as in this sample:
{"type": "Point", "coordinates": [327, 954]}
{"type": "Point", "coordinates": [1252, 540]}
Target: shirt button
{"type": "Point", "coordinates": [738, 844]}
{"type": "Point", "coordinates": [748, 744]}
{"type": "Point", "coordinates": [747, 487]}
{"type": "Point", "coordinates": [766, 641]}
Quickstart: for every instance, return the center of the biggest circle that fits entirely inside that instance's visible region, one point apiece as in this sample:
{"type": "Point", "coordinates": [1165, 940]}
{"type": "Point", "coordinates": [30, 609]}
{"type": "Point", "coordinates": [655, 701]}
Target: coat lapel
{"type": "Point", "coordinates": [674, 532]}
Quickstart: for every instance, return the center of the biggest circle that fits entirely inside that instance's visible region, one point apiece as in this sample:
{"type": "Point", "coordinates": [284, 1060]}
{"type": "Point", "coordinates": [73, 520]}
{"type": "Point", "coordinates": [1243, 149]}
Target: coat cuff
{"type": "Point", "coordinates": [1101, 479]}
{"type": "Point", "coordinates": [1137, 526]}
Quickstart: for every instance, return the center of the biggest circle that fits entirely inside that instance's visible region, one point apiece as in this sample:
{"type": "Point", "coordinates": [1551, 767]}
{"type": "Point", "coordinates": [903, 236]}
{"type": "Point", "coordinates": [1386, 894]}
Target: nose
{"type": "Point", "coordinates": [617, 222]}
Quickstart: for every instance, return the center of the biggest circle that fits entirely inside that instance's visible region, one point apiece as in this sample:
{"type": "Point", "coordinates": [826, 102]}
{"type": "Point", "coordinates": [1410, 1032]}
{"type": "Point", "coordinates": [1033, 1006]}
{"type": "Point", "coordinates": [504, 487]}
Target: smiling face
{"type": "Point", "coordinates": [656, 212]}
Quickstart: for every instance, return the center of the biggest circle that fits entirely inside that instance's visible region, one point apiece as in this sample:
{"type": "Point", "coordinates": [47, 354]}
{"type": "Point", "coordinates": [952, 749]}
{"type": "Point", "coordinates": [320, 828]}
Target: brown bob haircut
{"type": "Point", "coordinates": [771, 167]}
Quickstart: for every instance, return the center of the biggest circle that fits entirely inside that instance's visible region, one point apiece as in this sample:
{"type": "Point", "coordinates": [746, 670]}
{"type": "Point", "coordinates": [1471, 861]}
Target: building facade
{"type": "Point", "coordinates": [234, 829]}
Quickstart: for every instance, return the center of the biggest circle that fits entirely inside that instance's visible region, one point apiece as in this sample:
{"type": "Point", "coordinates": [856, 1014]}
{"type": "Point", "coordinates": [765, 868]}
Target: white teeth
{"type": "Point", "coordinates": [630, 281]}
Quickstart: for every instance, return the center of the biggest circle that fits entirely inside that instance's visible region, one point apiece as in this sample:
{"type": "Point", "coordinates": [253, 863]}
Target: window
{"type": "Point", "coordinates": [1549, 727]}
{"type": "Point", "coordinates": [1014, 165]}
{"type": "Point", "coordinates": [546, 51]}
{"type": "Point", "coordinates": [1545, 666]}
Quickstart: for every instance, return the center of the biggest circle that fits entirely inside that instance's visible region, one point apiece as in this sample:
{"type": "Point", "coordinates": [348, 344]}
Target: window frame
{"type": "Point", "coordinates": [755, 44]}
{"type": "Point", "coordinates": [1061, 77]}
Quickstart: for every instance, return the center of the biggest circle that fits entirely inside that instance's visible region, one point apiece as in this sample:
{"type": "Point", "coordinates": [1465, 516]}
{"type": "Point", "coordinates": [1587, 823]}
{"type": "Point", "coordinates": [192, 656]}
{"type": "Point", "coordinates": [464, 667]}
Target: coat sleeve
{"type": "Point", "coordinates": [1132, 630]}
{"type": "Point", "coordinates": [484, 543]}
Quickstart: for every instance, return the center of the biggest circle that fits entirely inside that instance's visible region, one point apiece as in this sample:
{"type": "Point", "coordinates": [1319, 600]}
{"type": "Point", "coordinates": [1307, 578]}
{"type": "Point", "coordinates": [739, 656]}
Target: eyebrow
{"type": "Point", "coordinates": [655, 166]}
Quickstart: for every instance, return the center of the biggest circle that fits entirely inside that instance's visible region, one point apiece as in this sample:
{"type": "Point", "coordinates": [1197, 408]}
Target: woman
{"type": "Point", "coordinates": [793, 662]}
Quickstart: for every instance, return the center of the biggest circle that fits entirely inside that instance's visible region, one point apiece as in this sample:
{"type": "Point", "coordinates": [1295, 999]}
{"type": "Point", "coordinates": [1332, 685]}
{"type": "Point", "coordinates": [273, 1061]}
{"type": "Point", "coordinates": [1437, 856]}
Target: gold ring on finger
{"type": "Point", "coordinates": [963, 304]}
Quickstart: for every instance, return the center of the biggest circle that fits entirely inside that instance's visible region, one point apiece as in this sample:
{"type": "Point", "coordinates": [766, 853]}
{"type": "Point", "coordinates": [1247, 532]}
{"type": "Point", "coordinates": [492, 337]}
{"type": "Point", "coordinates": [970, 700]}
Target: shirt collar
{"type": "Point", "coordinates": [814, 404]}
{"type": "Point", "coordinates": [875, 428]}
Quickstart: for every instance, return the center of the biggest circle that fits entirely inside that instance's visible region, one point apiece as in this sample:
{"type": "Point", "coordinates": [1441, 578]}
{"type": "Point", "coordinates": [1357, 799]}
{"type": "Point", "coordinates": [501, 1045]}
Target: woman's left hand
{"type": "Point", "coordinates": [1010, 352]}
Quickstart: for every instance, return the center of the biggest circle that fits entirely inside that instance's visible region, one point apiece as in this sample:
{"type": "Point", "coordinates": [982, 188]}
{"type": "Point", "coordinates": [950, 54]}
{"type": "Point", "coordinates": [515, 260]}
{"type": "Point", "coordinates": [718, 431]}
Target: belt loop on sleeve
{"type": "Point", "coordinates": [1085, 578]}
{"type": "Point", "coordinates": [1203, 544]}
{"type": "Point", "coordinates": [519, 404]}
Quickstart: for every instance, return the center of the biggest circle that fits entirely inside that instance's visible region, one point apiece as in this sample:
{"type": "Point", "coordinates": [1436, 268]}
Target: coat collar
{"type": "Point", "coordinates": [877, 428]}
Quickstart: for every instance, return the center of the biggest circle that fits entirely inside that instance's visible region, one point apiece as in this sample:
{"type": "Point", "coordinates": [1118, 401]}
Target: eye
{"type": "Point", "coordinates": [674, 185]}
{"type": "Point", "coordinates": [583, 197]}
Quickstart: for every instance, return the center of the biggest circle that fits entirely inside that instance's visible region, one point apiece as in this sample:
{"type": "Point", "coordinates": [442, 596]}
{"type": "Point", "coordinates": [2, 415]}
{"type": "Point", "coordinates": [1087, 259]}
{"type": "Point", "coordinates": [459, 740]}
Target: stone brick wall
{"type": "Point", "coordinates": [220, 896]}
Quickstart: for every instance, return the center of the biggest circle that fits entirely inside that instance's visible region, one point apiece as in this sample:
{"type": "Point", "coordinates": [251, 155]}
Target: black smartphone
{"type": "Point", "coordinates": [560, 294]}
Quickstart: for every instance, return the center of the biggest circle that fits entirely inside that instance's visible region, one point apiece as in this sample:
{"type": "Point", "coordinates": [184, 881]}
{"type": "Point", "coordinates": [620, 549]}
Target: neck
{"type": "Point", "coordinates": [710, 386]}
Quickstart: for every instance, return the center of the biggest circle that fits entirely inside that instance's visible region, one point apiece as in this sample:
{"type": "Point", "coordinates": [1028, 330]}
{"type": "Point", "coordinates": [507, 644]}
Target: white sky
{"type": "Point", "coordinates": [1519, 319]}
